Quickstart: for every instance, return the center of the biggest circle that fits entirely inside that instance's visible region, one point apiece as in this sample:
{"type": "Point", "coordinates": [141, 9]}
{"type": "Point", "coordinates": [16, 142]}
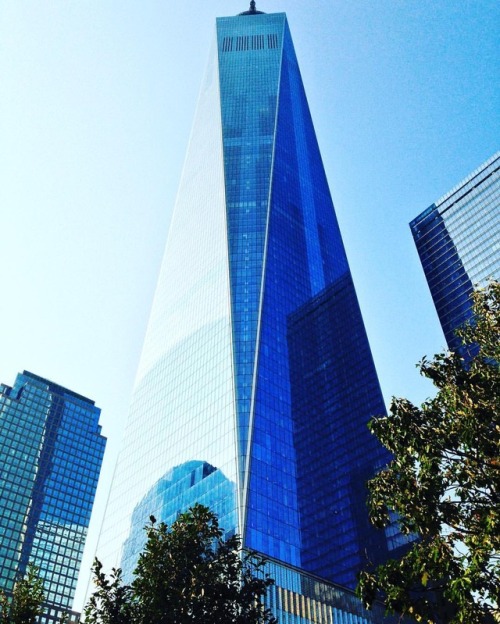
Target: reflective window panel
{"type": "Point", "coordinates": [458, 241]}
{"type": "Point", "coordinates": [256, 380]}
{"type": "Point", "coordinates": [51, 450]}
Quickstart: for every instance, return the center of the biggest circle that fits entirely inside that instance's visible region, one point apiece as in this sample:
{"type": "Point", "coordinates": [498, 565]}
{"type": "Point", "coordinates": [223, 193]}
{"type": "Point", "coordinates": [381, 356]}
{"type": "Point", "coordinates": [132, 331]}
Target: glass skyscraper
{"type": "Point", "coordinates": [256, 380]}
{"type": "Point", "coordinates": [51, 450]}
{"type": "Point", "coordinates": [458, 241]}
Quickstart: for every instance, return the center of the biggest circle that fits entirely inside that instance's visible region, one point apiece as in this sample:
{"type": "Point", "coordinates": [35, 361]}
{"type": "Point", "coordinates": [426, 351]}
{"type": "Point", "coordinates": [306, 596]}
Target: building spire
{"type": "Point", "coordinates": [252, 10]}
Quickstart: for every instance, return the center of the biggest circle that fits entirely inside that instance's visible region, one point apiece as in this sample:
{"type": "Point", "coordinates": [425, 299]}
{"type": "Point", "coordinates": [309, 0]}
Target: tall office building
{"type": "Point", "coordinates": [51, 450]}
{"type": "Point", "coordinates": [458, 241]}
{"type": "Point", "coordinates": [256, 380]}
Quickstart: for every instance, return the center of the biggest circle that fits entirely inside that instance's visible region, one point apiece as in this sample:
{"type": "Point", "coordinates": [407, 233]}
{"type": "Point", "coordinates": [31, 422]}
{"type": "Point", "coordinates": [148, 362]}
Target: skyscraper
{"type": "Point", "coordinates": [256, 362]}
{"type": "Point", "coordinates": [51, 450]}
{"type": "Point", "coordinates": [458, 241]}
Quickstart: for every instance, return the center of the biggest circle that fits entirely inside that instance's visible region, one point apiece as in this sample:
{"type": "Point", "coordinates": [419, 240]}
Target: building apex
{"type": "Point", "coordinates": [252, 10]}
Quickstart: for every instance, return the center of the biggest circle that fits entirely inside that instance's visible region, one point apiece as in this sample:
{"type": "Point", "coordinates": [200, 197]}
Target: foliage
{"type": "Point", "coordinates": [186, 573]}
{"type": "Point", "coordinates": [26, 602]}
{"type": "Point", "coordinates": [112, 602]}
{"type": "Point", "coordinates": [444, 484]}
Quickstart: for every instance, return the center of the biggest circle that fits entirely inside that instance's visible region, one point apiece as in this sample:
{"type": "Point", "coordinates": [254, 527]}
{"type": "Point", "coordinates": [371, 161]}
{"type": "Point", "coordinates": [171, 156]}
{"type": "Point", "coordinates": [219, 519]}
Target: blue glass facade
{"type": "Point", "coordinates": [304, 446]}
{"type": "Point", "coordinates": [457, 239]}
{"type": "Point", "coordinates": [51, 451]}
{"type": "Point", "coordinates": [256, 362]}
{"type": "Point", "coordinates": [170, 496]}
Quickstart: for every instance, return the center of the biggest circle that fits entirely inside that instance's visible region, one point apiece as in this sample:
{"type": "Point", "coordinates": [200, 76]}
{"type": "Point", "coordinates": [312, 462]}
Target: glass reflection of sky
{"type": "Point", "coordinates": [178, 490]}
{"type": "Point", "coordinates": [254, 276]}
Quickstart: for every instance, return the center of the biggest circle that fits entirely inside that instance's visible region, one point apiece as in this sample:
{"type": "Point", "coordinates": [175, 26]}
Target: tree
{"type": "Point", "coordinates": [444, 484]}
{"type": "Point", "coordinates": [186, 573]}
{"type": "Point", "coordinates": [26, 602]}
{"type": "Point", "coordinates": [112, 602]}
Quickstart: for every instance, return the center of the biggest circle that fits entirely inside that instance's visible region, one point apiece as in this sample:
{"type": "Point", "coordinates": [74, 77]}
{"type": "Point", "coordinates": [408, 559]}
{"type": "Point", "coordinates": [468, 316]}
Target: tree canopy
{"type": "Point", "coordinates": [25, 604]}
{"type": "Point", "coordinates": [186, 573]}
{"type": "Point", "coordinates": [444, 484]}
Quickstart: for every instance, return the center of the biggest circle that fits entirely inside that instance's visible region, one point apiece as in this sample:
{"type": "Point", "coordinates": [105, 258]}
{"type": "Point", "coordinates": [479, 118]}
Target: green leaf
{"type": "Point", "coordinates": [443, 484]}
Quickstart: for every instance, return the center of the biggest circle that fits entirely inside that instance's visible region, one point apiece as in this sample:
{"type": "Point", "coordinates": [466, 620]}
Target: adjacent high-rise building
{"type": "Point", "coordinates": [458, 241]}
{"type": "Point", "coordinates": [51, 450]}
{"type": "Point", "coordinates": [256, 380]}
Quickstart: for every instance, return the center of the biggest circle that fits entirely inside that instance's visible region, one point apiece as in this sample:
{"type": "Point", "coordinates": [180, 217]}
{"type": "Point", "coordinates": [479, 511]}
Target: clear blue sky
{"type": "Point", "coordinates": [96, 103]}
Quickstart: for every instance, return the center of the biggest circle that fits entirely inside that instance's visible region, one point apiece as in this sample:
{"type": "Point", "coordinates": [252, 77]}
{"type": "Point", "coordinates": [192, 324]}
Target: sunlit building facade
{"type": "Point", "coordinates": [51, 450]}
{"type": "Point", "coordinates": [458, 241]}
{"type": "Point", "coordinates": [256, 366]}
